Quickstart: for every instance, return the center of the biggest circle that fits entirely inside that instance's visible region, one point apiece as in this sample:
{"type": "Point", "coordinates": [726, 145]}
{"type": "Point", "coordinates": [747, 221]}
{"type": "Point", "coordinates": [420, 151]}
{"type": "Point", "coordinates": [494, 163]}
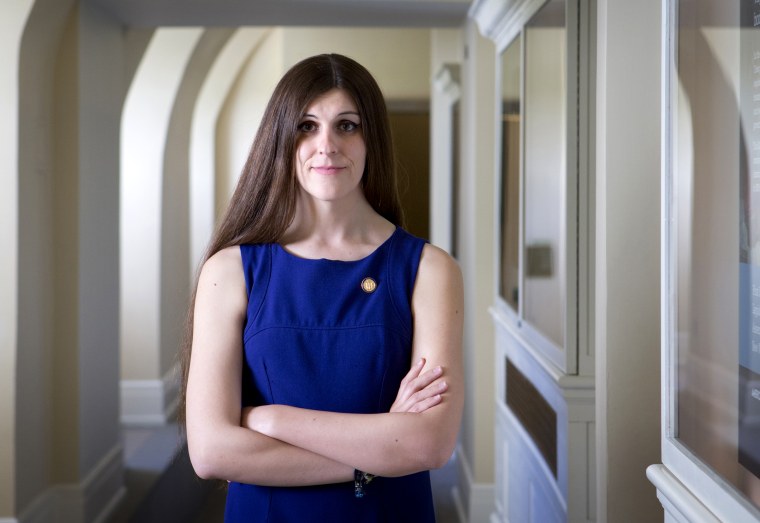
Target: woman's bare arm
{"type": "Point", "coordinates": [395, 443]}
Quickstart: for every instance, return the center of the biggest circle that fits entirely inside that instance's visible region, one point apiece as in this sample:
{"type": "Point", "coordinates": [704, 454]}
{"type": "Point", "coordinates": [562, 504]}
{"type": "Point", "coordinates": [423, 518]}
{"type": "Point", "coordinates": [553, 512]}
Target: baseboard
{"type": "Point", "coordinates": [103, 487]}
{"type": "Point", "coordinates": [475, 502]}
{"type": "Point", "coordinates": [459, 504]}
{"type": "Point", "coordinates": [8, 520]}
{"type": "Point", "coordinates": [91, 500]}
{"type": "Point", "coordinates": [150, 402]}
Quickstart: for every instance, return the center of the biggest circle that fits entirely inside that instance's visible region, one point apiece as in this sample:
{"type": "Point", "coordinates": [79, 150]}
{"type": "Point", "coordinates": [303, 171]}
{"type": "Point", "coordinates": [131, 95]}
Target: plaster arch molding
{"type": "Point", "coordinates": [146, 388]}
{"type": "Point", "coordinates": [12, 23]}
{"type": "Point", "coordinates": [168, 171]}
{"type": "Point", "coordinates": [209, 104]}
{"type": "Point", "coordinates": [144, 130]}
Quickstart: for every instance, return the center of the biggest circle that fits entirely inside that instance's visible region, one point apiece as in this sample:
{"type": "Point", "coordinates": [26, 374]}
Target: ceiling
{"type": "Point", "coordinates": [235, 13]}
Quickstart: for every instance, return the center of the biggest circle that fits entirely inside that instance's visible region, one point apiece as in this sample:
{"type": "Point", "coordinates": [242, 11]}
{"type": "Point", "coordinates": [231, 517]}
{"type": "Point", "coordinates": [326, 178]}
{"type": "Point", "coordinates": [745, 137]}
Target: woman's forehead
{"type": "Point", "coordinates": [335, 101]}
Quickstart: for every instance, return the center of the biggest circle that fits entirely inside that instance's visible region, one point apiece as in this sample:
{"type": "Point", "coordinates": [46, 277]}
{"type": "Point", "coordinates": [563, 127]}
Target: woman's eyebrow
{"type": "Point", "coordinates": [344, 113]}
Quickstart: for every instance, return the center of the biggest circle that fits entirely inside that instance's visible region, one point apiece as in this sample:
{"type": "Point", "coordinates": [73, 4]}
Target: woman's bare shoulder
{"type": "Point", "coordinates": [438, 278]}
{"type": "Point", "coordinates": [437, 263]}
{"type": "Point", "coordinates": [224, 267]}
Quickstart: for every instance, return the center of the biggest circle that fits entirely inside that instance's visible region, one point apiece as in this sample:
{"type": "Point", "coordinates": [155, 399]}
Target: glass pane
{"type": "Point", "coordinates": [545, 171]}
{"type": "Point", "coordinates": [510, 174]}
{"type": "Point", "coordinates": [716, 208]}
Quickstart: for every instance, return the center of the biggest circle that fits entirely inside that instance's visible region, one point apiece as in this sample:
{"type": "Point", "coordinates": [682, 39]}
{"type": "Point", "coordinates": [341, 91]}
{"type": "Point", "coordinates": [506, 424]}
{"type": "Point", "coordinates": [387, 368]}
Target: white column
{"type": "Point", "coordinates": [476, 233]}
{"type": "Point", "coordinates": [627, 258]}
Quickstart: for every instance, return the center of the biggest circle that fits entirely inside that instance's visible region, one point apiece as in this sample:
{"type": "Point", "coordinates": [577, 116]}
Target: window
{"type": "Point", "coordinates": [509, 280]}
{"type": "Point", "coordinates": [539, 183]}
{"type": "Point", "coordinates": [713, 245]}
{"type": "Point", "coordinates": [545, 172]}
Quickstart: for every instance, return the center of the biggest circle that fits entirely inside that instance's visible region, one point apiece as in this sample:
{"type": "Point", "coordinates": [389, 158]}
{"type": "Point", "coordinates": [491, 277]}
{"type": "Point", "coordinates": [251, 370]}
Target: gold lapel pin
{"type": "Point", "coordinates": [369, 285]}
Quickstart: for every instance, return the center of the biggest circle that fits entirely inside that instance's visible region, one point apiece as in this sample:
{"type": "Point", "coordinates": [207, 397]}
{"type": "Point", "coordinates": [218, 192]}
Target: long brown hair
{"type": "Point", "coordinates": [264, 201]}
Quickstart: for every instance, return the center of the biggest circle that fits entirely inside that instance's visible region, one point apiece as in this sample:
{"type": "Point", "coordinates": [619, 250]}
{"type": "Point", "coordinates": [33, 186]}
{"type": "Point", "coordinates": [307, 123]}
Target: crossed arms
{"type": "Point", "coordinates": [278, 445]}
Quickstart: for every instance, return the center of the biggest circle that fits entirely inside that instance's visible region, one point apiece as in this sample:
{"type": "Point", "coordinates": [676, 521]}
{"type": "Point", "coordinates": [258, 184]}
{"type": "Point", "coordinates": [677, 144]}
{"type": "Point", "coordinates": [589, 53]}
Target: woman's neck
{"type": "Point", "coordinates": [335, 230]}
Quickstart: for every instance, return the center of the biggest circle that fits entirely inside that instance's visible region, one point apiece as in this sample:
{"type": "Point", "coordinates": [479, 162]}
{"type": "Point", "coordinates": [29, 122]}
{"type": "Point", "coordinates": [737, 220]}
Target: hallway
{"type": "Point", "coordinates": [594, 169]}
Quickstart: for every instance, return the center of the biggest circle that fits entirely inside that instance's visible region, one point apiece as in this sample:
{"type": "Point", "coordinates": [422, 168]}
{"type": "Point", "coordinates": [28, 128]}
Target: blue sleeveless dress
{"type": "Point", "coordinates": [335, 336]}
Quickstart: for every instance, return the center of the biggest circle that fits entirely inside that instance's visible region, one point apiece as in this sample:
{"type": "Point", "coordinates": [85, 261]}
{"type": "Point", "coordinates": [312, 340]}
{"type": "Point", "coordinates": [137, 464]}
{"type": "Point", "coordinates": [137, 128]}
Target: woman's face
{"type": "Point", "coordinates": [331, 153]}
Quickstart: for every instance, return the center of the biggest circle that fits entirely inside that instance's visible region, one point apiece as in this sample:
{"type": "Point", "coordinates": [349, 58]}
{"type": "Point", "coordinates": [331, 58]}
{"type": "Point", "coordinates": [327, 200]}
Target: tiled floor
{"type": "Point", "coordinates": [155, 461]}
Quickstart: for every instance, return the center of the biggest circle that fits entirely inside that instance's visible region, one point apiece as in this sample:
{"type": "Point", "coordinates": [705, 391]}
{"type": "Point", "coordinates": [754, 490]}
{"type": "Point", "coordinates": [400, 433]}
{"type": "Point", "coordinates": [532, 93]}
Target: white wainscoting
{"type": "Point", "coordinates": [474, 501]}
{"type": "Point", "coordinates": [527, 491]}
{"type": "Point", "coordinates": [150, 402]}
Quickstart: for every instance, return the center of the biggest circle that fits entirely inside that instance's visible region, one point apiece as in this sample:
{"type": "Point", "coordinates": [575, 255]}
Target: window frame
{"type": "Point", "coordinates": [686, 484]}
{"type": "Point", "coordinates": [576, 357]}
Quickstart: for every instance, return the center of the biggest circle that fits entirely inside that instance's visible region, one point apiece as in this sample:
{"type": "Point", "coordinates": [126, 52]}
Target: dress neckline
{"type": "Point", "coordinates": [377, 249]}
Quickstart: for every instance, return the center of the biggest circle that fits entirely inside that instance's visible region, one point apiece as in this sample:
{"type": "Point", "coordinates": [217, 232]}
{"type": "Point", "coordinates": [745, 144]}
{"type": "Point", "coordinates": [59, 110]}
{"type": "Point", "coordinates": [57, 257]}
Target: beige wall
{"type": "Point", "coordinates": [476, 233]}
{"type": "Point", "coordinates": [399, 59]}
{"type": "Point", "coordinates": [242, 111]}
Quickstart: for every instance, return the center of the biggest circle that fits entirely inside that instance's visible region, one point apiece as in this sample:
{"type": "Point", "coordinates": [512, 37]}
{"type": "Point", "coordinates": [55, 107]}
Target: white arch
{"type": "Point", "coordinates": [209, 104]}
{"type": "Point", "coordinates": [145, 124]}
{"type": "Point", "coordinates": [13, 18]}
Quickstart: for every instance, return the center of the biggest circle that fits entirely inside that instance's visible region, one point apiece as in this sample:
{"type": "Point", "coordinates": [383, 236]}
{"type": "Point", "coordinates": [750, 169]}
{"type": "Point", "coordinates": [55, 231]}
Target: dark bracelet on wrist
{"type": "Point", "coordinates": [361, 480]}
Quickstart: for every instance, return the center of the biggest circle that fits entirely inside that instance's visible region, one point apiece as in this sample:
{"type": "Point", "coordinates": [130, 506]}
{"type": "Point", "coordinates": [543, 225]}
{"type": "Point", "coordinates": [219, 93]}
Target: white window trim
{"type": "Point", "coordinates": [503, 21]}
{"type": "Point", "coordinates": [689, 490]}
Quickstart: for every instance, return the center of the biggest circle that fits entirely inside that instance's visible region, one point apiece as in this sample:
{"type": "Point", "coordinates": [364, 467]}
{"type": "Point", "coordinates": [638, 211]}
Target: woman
{"type": "Point", "coordinates": [326, 374]}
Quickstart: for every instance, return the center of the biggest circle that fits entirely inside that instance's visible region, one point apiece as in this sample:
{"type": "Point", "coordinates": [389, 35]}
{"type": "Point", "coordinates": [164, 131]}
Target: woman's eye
{"type": "Point", "coordinates": [348, 126]}
{"type": "Point", "coordinates": [307, 127]}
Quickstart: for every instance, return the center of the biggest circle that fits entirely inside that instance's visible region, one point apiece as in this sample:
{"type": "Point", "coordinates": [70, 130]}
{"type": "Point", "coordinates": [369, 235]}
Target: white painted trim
{"type": "Point", "coordinates": [540, 467]}
{"type": "Point", "coordinates": [677, 500]}
{"type": "Point", "coordinates": [478, 503]}
{"type": "Point", "coordinates": [447, 91]}
{"type": "Point", "coordinates": [150, 402]}
{"type": "Point", "coordinates": [487, 14]}
{"type": "Point", "coordinates": [503, 20]}
{"type": "Point", "coordinates": [94, 499]}
{"type": "Point", "coordinates": [8, 520]}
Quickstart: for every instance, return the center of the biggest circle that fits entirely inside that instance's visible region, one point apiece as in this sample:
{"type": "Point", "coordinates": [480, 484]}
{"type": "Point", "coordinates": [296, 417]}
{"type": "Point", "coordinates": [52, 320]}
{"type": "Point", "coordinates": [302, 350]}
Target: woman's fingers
{"type": "Point", "coordinates": [413, 373]}
{"type": "Point", "coordinates": [427, 403]}
{"type": "Point", "coordinates": [421, 398]}
{"type": "Point", "coordinates": [416, 390]}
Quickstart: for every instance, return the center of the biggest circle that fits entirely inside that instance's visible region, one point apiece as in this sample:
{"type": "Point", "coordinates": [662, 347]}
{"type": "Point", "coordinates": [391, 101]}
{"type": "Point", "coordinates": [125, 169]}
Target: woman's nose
{"type": "Point", "coordinates": [327, 142]}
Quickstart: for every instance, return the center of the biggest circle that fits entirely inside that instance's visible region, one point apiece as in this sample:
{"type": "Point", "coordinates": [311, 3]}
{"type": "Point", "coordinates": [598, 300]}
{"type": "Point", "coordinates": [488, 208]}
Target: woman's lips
{"type": "Point", "coordinates": [327, 169]}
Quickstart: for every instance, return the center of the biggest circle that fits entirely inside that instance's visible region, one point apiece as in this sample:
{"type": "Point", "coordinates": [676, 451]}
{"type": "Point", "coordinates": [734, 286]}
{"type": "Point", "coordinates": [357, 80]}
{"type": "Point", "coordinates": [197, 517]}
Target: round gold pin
{"type": "Point", "coordinates": [369, 285]}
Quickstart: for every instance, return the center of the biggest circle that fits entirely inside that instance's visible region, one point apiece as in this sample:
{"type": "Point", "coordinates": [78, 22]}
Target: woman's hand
{"type": "Point", "coordinates": [419, 391]}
